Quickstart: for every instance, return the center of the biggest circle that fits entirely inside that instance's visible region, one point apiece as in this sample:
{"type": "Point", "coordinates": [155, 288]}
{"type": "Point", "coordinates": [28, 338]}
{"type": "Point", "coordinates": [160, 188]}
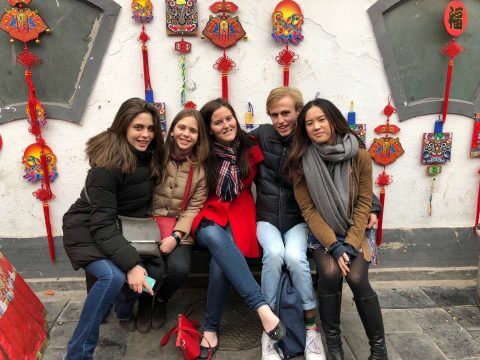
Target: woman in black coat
{"type": "Point", "coordinates": [124, 161]}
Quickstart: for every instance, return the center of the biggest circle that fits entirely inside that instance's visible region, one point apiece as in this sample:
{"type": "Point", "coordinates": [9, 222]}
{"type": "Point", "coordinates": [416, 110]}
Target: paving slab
{"type": "Point", "coordinates": [354, 334]}
{"type": "Point", "coordinates": [398, 321]}
{"type": "Point", "coordinates": [53, 310]}
{"type": "Point", "coordinates": [414, 346]}
{"type": "Point", "coordinates": [467, 316]}
{"type": "Point", "coordinates": [409, 298]}
{"type": "Point", "coordinates": [450, 296]}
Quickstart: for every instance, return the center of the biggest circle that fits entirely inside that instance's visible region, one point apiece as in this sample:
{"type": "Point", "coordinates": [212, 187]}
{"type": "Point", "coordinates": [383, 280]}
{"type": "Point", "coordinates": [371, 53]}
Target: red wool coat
{"type": "Point", "coordinates": [239, 213]}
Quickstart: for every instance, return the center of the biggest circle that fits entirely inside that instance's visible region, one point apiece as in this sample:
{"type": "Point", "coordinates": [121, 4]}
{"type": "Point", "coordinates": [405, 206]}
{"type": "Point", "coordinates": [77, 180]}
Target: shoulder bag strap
{"type": "Point", "coordinates": [188, 187]}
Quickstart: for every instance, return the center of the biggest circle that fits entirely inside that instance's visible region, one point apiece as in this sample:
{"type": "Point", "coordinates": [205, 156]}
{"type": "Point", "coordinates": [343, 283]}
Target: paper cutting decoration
{"type": "Point", "coordinates": [436, 148]}
{"type": "Point", "coordinates": [24, 24]}
{"type": "Point", "coordinates": [360, 129]}
{"type": "Point", "coordinates": [384, 151]}
{"type": "Point", "coordinates": [224, 30]}
{"type": "Point", "coordinates": [182, 19]}
{"type": "Point", "coordinates": [475, 147]}
{"type": "Point", "coordinates": [142, 12]}
{"type": "Point", "coordinates": [23, 325]}
{"type": "Point", "coordinates": [287, 21]}
{"type": "Point", "coordinates": [250, 123]}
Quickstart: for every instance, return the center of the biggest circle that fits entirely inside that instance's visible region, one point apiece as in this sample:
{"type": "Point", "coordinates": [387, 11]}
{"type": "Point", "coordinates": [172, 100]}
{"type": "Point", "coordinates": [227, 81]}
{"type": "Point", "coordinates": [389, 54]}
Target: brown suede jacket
{"type": "Point", "coordinates": [167, 196]}
{"type": "Point", "coordinates": [360, 203]}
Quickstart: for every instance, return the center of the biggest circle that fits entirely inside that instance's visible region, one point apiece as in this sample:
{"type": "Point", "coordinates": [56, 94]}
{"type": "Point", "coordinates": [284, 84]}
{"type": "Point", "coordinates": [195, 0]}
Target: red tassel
{"type": "Point", "coordinates": [146, 68]}
{"type": "Point", "coordinates": [48, 225]}
{"type": "Point", "coordinates": [380, 217]}
{"type": "Point", "coordinates": [477, 218]}
{"type": "Point", "coordinates": [447, 90]}
{"type": "Point", "coordinates": [225, 86]}
{"type": "Point", "coordinates": [286, 76]}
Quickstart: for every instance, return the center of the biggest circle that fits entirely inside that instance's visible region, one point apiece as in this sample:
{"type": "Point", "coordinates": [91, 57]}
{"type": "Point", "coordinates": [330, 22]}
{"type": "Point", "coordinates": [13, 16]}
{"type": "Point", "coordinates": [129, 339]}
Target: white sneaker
{"type": "Point", "coordinates": [268, 351]}
{"type": "Point", "coordinates": [314, 347]}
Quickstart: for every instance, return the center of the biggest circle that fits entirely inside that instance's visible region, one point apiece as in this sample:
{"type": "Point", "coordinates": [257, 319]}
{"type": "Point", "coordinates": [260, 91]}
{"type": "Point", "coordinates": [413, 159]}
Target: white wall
{"type": "Point", "coordinates": [339, 58]}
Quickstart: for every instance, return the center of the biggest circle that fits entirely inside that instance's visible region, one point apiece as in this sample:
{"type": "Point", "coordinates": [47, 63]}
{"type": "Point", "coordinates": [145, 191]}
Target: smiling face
{"type": "Point", "coordinates": [283, 115]}
{"type": "Point", "coordinates": [318, 127]}
{"type": "Point", "coordinates": [223, 126]}
{"type": "Point", "coordinates": [140, 131]}
{"type": "Point", "coordinates": [185, 136]}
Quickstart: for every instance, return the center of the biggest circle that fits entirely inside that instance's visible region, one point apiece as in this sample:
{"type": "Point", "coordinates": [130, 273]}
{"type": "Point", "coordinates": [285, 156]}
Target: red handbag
{"type": "Point", "coordinates": [188, 337]}
{"type": "Point", "coordinates": [166, 224]}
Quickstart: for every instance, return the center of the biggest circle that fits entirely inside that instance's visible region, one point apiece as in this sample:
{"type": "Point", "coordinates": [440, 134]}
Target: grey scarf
{"type": "Point", "coordinates": [326, 169]}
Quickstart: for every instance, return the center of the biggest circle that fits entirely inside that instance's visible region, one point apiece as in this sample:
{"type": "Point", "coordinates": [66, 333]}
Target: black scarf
{"type": "Point", "coordinates": [228, 183]}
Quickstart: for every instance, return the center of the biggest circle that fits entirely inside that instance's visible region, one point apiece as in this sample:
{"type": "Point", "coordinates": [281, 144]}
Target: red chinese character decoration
{"type": "Point", "coordinates": [182, 20]}
{"type": "Point", "coordinates": [142, 12]}
{"type": "Point", "coordinates": [224, 30]}
{"type": "Point", "coordinates": [384, 151]}
{"type": "Point", "coordinates": [287, 21]}
{"type": "Point", "coordinates": [24, 24]}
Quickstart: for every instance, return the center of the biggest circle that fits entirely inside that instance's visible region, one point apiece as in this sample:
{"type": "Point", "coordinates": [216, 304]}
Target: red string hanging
{"type": "Point", "coordinates": [476, 230]}
{"type": "Point", "coordinates": [146, 68]}
{"type": "Point", "coordinates": [224, 64]}
{"type": "Point", "coordinates": [38, 159]}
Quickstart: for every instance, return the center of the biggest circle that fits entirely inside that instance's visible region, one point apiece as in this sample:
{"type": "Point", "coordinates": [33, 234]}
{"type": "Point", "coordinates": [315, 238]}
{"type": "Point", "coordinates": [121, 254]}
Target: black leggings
{"type": "Point", "coordinates": [329, 276]}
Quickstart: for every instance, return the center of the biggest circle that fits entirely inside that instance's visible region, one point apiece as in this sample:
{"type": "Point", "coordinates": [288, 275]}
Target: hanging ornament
{"type": "Point", "coordinates": [24, 24]}
{"type": "Point", "coordinates": [224, 30]}
{"type": "Point", "coordinates": [142, 12]}
{"type": "Point", "coordinates": [182, 20]}
{"type": "Point", "coordinates": [437, 146]}
{"type": "Point", "coordinates": [476, 229]}
{"type": "Point", "coordinates": [384, 151]}
{"type": "Point", "coordinates": [287, 21]}
{"type": "Point", "coordinates": [360, 129]}
{"type": "Point", "coordinates": [250, 123]}
{"type": "Point", "coordinates": [475, 146]}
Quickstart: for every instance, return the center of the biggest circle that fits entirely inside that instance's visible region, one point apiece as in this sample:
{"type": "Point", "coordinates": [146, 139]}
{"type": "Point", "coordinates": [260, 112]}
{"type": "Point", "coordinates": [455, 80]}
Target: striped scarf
{"type": "Point", "coordinates": [228, 183]}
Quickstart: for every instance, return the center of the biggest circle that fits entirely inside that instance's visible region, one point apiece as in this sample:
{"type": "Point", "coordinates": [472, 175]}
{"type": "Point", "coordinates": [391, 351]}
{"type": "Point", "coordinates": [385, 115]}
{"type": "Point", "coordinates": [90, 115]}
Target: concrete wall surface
{"type": "Point", "coordinates": [338, 58]}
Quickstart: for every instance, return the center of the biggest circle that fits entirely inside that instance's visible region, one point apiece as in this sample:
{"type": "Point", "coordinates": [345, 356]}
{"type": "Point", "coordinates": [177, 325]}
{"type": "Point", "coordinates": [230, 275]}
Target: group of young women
{"type": "Point", "coordinates": [134, 173]}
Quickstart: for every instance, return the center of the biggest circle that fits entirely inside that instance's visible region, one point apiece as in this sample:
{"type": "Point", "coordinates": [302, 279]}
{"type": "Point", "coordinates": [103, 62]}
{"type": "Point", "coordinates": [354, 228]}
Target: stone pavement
{"type": "Point", "coordinates": [428, 314]}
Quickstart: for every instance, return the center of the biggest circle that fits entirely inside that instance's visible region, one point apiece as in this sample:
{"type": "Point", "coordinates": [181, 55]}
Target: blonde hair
{"type": "Point", "coordinates": [280, 92]}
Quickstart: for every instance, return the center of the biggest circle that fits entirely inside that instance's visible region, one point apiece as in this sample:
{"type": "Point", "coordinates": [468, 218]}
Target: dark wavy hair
{"type": "Point", "coordinates": [110, 148]}
{"type": "Point", "coordinates": [300, 142]}
{"type": "Point", "coordinates": [244, 141]}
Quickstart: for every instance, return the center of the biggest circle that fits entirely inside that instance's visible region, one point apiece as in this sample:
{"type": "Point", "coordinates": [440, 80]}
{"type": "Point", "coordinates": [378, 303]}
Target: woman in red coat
{"type": "Point", "coordinates": [226, 224]}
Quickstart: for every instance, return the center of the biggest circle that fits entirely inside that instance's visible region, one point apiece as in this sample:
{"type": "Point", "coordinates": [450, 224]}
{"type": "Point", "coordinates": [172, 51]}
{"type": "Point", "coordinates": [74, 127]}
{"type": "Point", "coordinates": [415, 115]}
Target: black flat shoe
{"type": "Point", "coordinates": [278, 332]}
{"type": "Point", "coordinates": [207, 352]}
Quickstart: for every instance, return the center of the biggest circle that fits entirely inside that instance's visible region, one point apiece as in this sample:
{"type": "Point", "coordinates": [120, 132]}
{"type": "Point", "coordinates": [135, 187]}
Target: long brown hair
{"type": "Point", "coordinates": [200, 150]}
{"type": "Point", "coordinates": [110, 148]}
{"type": "Point", "coordinates": [244, 142]}
{"type": "Point", "coordinates": [301, 140]}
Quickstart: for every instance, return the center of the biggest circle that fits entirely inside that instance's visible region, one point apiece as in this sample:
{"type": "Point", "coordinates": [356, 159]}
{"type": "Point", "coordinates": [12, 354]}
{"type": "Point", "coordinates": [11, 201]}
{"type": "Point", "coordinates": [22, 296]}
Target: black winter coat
{"type": "Point", "coordinates": [90, 228]}
{"type": "Point", "coordinates": [275, 202]}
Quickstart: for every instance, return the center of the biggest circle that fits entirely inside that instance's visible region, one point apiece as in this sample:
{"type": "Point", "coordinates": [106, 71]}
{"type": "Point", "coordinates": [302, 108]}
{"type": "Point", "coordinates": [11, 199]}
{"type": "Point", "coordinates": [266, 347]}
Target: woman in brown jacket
{"type": "Point", "coordinates": [186, 147]}
{"type": "Point", "coordinates": [332, 176]}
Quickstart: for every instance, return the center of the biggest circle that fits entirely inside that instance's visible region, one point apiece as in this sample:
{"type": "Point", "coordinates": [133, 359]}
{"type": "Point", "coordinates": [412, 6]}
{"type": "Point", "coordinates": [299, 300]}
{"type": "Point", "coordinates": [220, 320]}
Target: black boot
{"type": "Point", "coordinates": [329, 309]}
{"type": "Point", "coordinates": [144, 314]}
{"type": "Point", "coordinates": [159, 313]}
{"type": "Point", "coordinates": [371, 316]}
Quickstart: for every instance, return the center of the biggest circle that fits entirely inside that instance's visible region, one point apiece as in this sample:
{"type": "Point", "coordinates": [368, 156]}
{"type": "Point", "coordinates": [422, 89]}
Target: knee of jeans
{"type": "Point", "coordinates": [212, 235]}
{"type": "Point", "coordinates": [295, 259]}
{"type": "Point", "coordinates": [114, 276]}
{"type": "Point", "coordinates": [274, 256]}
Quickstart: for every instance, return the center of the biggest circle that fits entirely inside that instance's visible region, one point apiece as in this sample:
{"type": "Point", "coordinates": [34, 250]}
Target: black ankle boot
{"type": "Point", "coordinates": [371, 316]}
{"type": "Point", "coordinates": [329, 309]}
{"type": "Point", "coordinates": [144, 314]}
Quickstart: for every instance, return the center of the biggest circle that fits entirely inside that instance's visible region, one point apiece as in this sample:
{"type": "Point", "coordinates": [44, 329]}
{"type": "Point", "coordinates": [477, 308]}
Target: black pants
{"type": "Point", "coordinates": [329, 276]}
{"type": "Point", "coordinates": [177, 265]}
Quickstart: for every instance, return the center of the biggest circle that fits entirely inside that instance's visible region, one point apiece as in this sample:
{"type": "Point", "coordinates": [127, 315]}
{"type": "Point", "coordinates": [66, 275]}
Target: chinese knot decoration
{"type": "Point", "coordinates": [437, 146]}
{"type": "Point", "coordinates": [287, 21]}
{"type": "Point", "coordinates": [224, 30]}
{"type": "Point", "coordinates": [182, 19]}
{"type": "Point", "coordinates": [384, 151]}
{"type": "Point", "coordinates": [142, 13]}
{"type": "Point", "coordinates": [24, 24]}
{"type": "Point", "coordinates": [360, 129]}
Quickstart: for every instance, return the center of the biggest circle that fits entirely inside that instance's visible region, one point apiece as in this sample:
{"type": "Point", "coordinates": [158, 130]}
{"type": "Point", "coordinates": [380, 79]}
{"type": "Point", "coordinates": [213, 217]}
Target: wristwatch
{"type": "Point", "coordinates": [177, 238]}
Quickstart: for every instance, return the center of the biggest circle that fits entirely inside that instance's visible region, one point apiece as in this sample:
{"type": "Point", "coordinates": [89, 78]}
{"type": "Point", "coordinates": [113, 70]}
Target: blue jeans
{"type": "Point", "coordinates": [289, 249]}
{"type": "Point", "coordinates": [228, 268]}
